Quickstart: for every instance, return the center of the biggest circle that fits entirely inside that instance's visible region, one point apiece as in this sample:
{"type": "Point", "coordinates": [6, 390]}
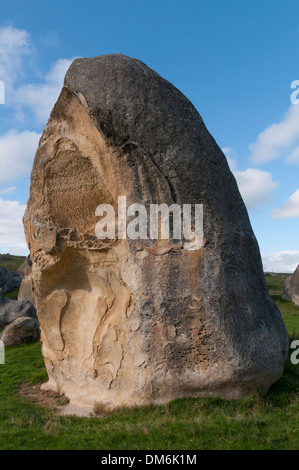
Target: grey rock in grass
{"type": "Point", "coordinates": [10, 310]}
{"type": "Point", "coordinates": [22, 330]}
{"type": "Point", "coordinates": [291, 287]}
{"type": "Point", "coordinates": [9, 280]}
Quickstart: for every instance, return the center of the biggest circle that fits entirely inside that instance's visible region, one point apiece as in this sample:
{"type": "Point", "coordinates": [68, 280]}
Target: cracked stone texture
{"type": "Point", "coordinates": [132, 322]}
{"type": "Point", "coordinates": [291, 287]}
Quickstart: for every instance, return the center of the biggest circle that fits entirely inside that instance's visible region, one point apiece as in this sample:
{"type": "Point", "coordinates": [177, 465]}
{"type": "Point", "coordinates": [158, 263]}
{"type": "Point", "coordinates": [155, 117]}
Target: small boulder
{"type": "Point", "coordinates": [22, 330]}
{"type": "Point", "coordinates": [291, 288]}
{"type": "Point", "coordinates": [10, 310]}
{"type": "Point", "coordinates": [9, 280]}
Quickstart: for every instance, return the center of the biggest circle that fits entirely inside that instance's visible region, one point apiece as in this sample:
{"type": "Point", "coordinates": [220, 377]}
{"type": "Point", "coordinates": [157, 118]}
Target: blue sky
{"type": "Point", "coordinates": [234, 60]}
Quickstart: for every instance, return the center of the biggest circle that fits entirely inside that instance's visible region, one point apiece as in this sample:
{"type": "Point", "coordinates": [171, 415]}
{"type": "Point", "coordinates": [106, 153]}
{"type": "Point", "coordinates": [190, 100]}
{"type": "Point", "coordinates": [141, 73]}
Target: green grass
{"type": "Point", "coordinates": [256, 422]}
{"type": "Point", "coordinates": [12, 263]}
{"type": "Point", "coordinates": [289, 311]}
{"type": "Point", "coordinates": [13, 294]}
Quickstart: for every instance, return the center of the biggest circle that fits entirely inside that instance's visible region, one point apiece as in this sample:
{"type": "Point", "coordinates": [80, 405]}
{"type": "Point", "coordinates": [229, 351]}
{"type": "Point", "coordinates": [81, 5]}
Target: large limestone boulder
{"type": "Point", "coordinates": [291, 288]}
{"type": "Point", "coordinates": [9, 280]}
{"type": "Point", "coordinates": [10, 310]}
{"type": "Point", "coordinates": [22, 330]}
{"type": "Point", "coordinates": [129, 322]}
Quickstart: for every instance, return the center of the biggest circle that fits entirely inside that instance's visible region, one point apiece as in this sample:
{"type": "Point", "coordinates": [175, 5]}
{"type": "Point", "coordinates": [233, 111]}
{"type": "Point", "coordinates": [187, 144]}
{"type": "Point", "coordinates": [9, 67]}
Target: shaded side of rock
{"type": "Point", "coordinates": [22, 330]}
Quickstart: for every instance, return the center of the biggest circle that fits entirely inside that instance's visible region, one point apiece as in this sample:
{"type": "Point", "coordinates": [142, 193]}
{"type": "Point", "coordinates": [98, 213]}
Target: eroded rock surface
{"type": "Point", "coordinates": [129, 322]}
{"type": "Point", "coordinates": [291, 288]}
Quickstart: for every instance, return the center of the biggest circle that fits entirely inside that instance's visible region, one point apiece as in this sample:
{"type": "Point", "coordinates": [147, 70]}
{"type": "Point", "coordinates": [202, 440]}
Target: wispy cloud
{"type": "Point", "coordinates": [277, 139]}
{"type": "Point", "coordinates": [11, 228]}
{"type": "Point", "coordinates": [32, 100]}
{"type": "Point", "coordinates": [294, 157]}
{"type": "Point", "coordinates": [39, 98]}
{"type": "Point", "coordinates": [50, 38]}
{"type": "Point", "coordinates": [230, 156]}
{"type": "Point", "coordinates": [16, 46]}
{"type": "Point", "coordinates": [254, 185]}
{"type": "Point", "coordinates": [17, 152]}
{"type": "Point", "coordinates": [281, 262]}
{"type": "Point", "coordinates": [290, 209]}
{"type": "Point", "coordinates": [9, 190]}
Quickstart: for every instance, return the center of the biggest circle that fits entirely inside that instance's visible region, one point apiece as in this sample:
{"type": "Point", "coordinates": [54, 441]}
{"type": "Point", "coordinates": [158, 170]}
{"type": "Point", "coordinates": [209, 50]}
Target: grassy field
{"type": "Point", "coordinates": [11, 262]}
{"type": "Point", "coordinates": [253, 423]}
{"type": "Point", "coordinates": [257, 422]}
{"type": "Point", "coordinates": [289, 311]}
{"type": "Point", "coordinates": [13, 294]}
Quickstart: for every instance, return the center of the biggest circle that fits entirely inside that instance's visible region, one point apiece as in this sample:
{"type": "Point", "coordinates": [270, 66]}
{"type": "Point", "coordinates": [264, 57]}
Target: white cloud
{"type": "Point", "coordinates": [17, 152]}
{"type": "Point", "coordinates": [12, 237]}
{"type": "Point", "coordinates": [255, 186]}
{"type": "Point", "coordinates": [17, 149]}
{"type": "Point", "coordinates": [15, 46]}
{"type": "Point", "coordinates": [277, 139]}
{"type": "Point", "coordinates": [229, 153]}
{"type": "Point", "coordinates": [294, 157]}
{"type": "Point", "coordinates": [9, 190]}
{"type": "Point", "coordinates": [58, 71]}
{"type": "Point", "coordinates": [41, 97]}
{"type": "Point", "coordinates": [290, 209]}
{"type": "Point", "coordinates": [281, 261]}
{"type": "Point", "coordinates": [50, 38]}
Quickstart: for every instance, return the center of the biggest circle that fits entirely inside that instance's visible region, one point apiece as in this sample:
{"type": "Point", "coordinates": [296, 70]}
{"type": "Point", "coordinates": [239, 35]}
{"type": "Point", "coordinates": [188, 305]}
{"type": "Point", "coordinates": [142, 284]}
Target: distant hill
{"type": "Point", "coordinates": [11, 262]}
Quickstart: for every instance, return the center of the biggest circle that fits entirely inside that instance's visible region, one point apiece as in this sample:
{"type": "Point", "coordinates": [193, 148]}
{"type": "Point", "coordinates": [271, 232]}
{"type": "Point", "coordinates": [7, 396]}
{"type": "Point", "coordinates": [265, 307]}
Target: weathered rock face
{"type": "Point", "coordinates": [291, 288]}
{"type": "Point", "coordinates": [9, 280]}
{"type": "Point", "coordinates": [130, 322]}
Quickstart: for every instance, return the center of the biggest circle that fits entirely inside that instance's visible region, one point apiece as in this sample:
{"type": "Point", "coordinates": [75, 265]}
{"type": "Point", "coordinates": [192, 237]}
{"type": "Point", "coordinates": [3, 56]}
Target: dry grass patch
{"type": "Point", "coordinates": [44, 398]}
